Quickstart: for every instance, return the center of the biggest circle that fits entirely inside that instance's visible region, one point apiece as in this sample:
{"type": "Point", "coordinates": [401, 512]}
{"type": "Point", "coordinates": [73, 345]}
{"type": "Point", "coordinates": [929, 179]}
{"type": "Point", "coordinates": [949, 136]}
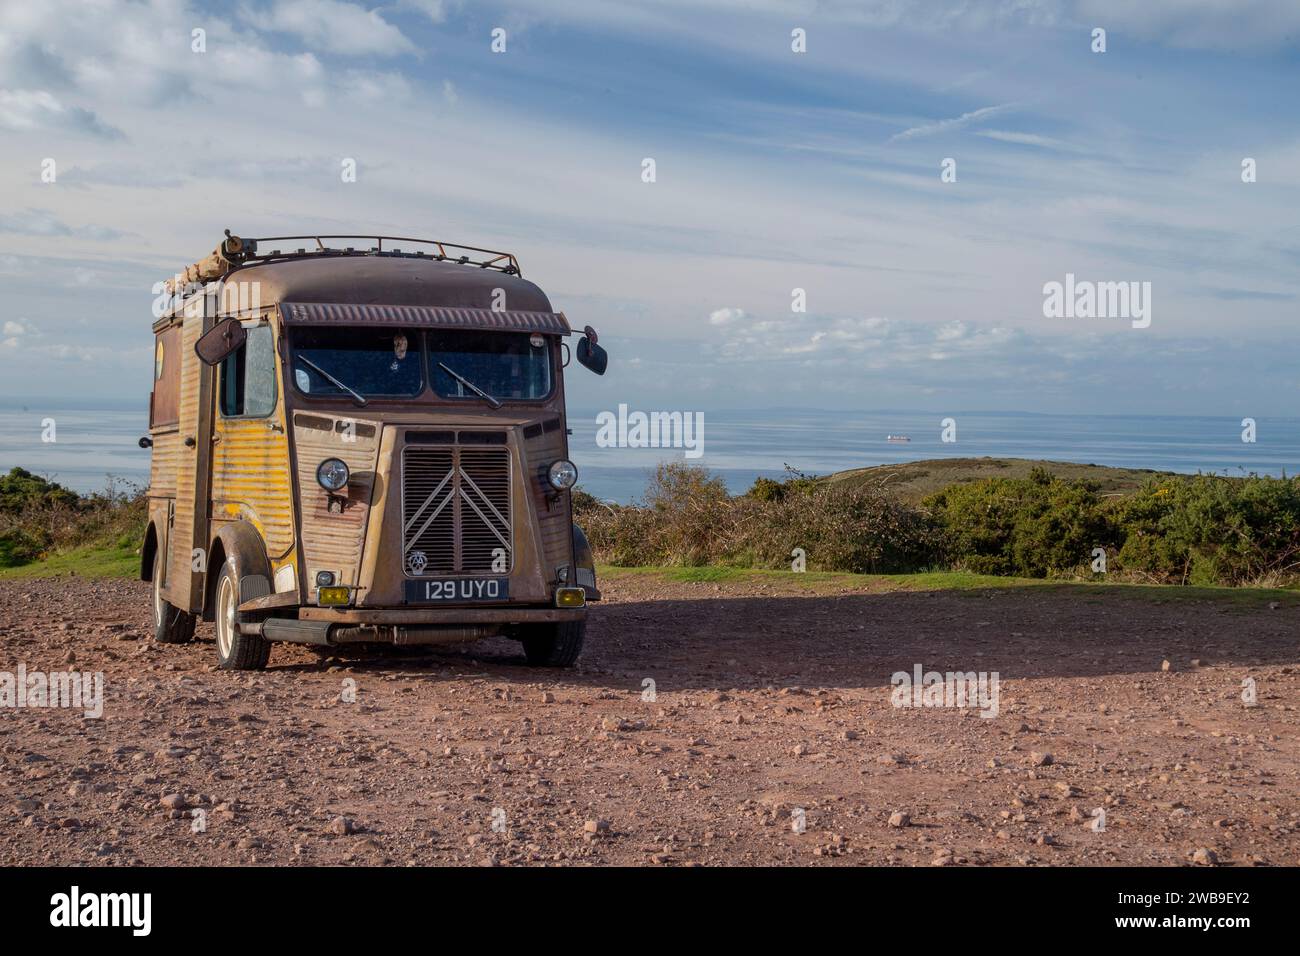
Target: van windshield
{"type": "Point", "coordinates": [372, 362]}
{"type": "Point", "coordinates": [506, 365]}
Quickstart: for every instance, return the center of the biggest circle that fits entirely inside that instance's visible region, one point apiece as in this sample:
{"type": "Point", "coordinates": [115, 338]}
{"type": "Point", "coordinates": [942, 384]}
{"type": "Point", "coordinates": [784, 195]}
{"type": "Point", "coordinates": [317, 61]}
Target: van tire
{"type": "Point", "coordinates": [553, 645]}
{"type": "Point", "coordinates": [235, 651]}
{"type": "Point", "coordinates": [171, 625]}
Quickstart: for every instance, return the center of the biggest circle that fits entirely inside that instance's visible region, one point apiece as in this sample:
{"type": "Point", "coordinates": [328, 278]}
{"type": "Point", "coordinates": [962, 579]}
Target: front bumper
{"type": "Point", "coordinates": [329, 627]}
{"type": "Point", "coordinates": [505, 614]}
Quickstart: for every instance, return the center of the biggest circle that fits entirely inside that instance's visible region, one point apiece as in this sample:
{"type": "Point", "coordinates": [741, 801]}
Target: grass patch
{"type": "Point", "coordinates": [86, 562]}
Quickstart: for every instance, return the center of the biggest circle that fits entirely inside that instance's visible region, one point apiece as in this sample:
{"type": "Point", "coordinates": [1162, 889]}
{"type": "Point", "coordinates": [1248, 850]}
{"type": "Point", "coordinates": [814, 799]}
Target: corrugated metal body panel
{"type": "Point", "coordinates": [182, 588]}
{"type": "Point", "coordinates": [333, 540]}
{"type": "Point", "coordinates": [251, 480]}
{"type": "Point", "coordinates": [553, 517]}
{"type": "Point", "coordinates": [163, 464]}
{"type": "Point", "coordinates": [426, 316]}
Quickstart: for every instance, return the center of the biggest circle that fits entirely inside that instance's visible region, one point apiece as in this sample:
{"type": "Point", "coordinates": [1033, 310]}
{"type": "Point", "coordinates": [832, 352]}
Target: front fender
{"type": "Point", "coordinates": [239, 544]}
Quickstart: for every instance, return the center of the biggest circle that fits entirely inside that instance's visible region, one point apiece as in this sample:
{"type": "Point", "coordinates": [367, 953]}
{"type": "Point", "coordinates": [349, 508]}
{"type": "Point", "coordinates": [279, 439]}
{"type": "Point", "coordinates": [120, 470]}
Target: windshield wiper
{"type": "Point", "coordinates": [470, 385]}
{"type": "Point", "coordinates": [360, 399]}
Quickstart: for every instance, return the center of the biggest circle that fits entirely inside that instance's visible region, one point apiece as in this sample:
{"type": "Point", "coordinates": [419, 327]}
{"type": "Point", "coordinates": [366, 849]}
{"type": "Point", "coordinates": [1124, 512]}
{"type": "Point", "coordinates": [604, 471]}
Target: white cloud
{"type": "Point", "coordinates": [435, 10]}
{"type": "Point", "coordinates": [726, 316]}
{"type": "Point", "coordinates": [1028, 139]}
{"type": "Point", "coordinates": [948, 125]}
{"type": "Point", "coordinates": [42, 222]}
{"type": "Point", "coordinates": [371, 87]}
{"type": "Point", "coordinates": [331, 26]}
{"type": "Point", "coordinates": [23, 110]}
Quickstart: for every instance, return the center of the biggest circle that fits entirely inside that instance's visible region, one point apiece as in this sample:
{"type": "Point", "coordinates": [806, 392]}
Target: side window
{"type": "Point", "coordinates": [165, 403]}
{"type": "Point", "coordinates": [248, 377]}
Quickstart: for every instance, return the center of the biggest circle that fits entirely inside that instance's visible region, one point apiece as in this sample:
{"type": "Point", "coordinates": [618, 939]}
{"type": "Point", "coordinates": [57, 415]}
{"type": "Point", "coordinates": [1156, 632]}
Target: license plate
{"type": "Point", "coordinates": [457, 590]}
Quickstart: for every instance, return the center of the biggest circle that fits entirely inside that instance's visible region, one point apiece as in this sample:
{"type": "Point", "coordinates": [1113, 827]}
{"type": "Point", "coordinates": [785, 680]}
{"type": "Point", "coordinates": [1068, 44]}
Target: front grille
{"type": "Point", "coordinates": [456, 510]}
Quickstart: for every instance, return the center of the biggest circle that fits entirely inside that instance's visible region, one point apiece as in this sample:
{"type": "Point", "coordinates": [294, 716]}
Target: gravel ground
{"type": "Point", "coordinates": [769, 709]}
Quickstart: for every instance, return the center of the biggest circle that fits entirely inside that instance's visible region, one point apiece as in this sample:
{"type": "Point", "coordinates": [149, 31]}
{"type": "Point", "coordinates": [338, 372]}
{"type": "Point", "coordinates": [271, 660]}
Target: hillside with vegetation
{"type": "Point", "coordinates": [913, 480]}
{"type": "Point", "coordinates": [1111, 525]}
{"type": "Point", "coordinates": [46, 528]}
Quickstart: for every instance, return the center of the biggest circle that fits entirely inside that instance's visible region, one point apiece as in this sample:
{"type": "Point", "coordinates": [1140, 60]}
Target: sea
{"type": "Point", "coordinates": [92, 446]}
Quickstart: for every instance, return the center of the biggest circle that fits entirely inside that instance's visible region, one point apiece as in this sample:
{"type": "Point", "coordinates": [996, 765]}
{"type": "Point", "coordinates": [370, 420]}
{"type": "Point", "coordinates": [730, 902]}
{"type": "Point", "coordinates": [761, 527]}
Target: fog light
{"type": "Point", "coordinates": [333, 596]}
{"type": "Point", "coordinates": [562, 474]}
{"type": "Point", "coordinates": [570, 597]}
{"type": "Point", "coordinates": [324, 579]}
{"type": "Point", "coordinates": [332, 474]}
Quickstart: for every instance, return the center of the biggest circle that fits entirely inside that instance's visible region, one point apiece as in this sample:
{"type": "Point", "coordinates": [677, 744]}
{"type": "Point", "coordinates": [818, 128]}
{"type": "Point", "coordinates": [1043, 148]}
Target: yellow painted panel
{"type": "Point", "coordinates": [250, 478]}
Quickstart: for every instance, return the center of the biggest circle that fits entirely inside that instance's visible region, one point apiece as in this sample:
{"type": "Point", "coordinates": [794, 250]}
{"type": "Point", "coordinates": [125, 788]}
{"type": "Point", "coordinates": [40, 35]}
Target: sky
{"type": "Point", "coordinates": [774, 171]}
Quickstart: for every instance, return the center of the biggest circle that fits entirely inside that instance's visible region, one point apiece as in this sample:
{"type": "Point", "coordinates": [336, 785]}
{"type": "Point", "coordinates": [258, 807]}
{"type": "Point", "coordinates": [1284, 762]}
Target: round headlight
{"type": "Point", "coordinates": [562, 475]}
{"type": "Point", "coordinates": [332, 474]}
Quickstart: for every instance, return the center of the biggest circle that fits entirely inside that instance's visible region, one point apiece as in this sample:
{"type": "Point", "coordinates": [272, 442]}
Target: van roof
{"type": "Point", "coordinates": [390, 280]}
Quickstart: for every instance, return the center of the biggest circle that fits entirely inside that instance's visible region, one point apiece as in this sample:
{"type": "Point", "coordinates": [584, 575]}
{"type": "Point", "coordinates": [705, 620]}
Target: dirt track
{"type": "Point", "coordinates": [769, 700]}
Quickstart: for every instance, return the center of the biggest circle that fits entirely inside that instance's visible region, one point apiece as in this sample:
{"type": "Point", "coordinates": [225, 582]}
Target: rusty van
{"type": "Point", "coordinates": [365, 442]}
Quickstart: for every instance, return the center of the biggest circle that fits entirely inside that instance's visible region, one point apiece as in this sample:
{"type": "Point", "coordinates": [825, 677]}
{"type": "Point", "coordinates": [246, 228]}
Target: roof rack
{"type": "Point", "coordinates": [485, 258]}
{"type": "Point", "coordinates": [236, 251]}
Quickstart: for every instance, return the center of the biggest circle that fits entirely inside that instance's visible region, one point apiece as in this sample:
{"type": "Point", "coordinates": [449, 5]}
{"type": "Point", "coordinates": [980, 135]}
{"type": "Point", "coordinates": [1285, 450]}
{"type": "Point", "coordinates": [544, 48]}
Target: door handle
{"type": "Point", "coordinates": [189, 441]}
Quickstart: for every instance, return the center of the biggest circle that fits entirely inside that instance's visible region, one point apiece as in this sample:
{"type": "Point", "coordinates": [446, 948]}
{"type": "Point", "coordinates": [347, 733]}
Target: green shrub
{"type": "Point", "coordinates": [19, 547]}
{"type": "Point", "coordinates": [838, 528]}
{"type": "Point", "coordinates": [1206, 529]}
{"type": "Point", "coordinates": [21, 490]}
{"type": "Point", "coordinates": [688, 519]}
{"type": "Point", "coordinates": [1035, 526]}
{"type": "Point", "coordinates": [769, 489]}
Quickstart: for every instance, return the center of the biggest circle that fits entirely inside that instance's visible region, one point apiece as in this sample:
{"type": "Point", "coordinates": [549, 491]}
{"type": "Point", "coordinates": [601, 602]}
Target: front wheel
{"type": "Point", "coordinates": [553, 645]}
{"type": "Point", "coordinates": [236, 651]}
{"type": "Point", "coordinates": [171, 625]}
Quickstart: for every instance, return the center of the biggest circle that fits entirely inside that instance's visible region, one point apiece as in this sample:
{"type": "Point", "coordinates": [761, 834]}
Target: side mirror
{"type": "Point", "coordinates": [220, 341]}
{"type": "Point", "coordinates": [590, 354]}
